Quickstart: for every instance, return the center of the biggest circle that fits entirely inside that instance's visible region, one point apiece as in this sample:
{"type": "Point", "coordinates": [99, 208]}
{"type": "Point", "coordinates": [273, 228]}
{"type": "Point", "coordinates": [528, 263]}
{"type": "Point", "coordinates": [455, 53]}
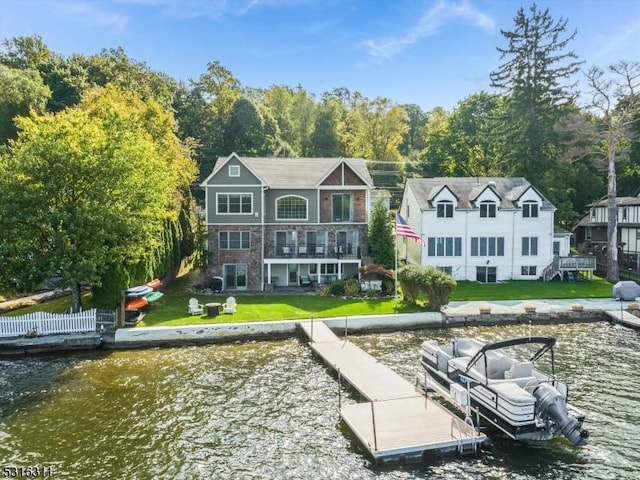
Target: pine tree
{"type": "Point", "coordinates": [380, 239]}
{"type": "Point", "coordinates": [534, 78]}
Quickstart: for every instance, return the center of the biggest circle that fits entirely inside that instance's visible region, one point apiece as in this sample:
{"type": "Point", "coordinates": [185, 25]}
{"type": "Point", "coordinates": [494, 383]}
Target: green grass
{"type": "Point", "coordinates": [172, 308]}
{"type": "Point", "coordinates": [529, 290]}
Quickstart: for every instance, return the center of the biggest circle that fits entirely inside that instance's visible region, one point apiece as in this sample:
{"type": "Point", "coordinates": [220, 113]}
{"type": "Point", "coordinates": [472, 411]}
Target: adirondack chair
{"type": "Point", "coordinates": [195, 308]}
{"type": "Point", "coordinates": [229, 306]}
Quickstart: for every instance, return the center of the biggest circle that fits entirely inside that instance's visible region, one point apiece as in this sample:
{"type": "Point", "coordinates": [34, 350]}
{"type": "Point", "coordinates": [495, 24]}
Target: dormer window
{"type": "Point", "coordinates": [234, 170]}
{"type": "Point", "coordinates": [529, 209]}
{"type": "Point", "coordinates": [487, 209]}
{"type": "Point", "coordinates": [445, 209]}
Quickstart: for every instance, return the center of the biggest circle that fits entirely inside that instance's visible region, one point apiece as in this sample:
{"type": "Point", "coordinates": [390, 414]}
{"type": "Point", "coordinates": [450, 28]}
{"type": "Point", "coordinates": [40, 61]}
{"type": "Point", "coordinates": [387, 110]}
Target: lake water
{"type": "Point", "coordinates": [270, 410]}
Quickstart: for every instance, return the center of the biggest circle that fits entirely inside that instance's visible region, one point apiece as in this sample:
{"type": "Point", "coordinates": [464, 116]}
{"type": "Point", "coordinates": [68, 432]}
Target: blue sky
{"type": "Point", "coordinates": [428, 52]}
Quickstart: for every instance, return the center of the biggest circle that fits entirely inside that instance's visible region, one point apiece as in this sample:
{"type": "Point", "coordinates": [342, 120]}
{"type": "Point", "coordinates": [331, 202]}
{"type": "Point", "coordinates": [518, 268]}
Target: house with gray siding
{"type": "Point", "coordinates": [280, 221]}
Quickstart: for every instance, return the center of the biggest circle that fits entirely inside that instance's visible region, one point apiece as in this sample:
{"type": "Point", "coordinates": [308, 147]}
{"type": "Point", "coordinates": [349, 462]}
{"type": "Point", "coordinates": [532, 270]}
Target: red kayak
{"type": "Point", "coordinates": [136, 304]}
{"type": "Point", "coordinates": [155, 283]}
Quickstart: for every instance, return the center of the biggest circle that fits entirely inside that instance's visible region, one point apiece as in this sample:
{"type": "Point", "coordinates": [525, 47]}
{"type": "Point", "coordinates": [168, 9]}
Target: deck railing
{"type": "Point", "coordinates": [43, 323]}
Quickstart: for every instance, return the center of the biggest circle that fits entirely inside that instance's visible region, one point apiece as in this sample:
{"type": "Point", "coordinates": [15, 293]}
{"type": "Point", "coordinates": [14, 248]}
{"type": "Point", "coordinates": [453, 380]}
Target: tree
{"type": "Point", "coordinates": [532, 78]}
{"type": "Point", "coordinates": [21, 91]}
{"type": "Point", "coordinates": [374, 130]}
{"type": "Point", "coordinates": [437, 158]}
{"type": "Point", "coordinates": [379, 237]}
{"type": "Point", "coordinates": [93, 186]}
{"type": "Point", "coordinates": [615, 101]}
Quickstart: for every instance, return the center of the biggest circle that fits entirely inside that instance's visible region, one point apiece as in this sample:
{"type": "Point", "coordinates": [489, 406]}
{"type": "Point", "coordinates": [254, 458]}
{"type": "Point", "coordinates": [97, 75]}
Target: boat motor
{"type": "Point", "coordinates": [553, 405]}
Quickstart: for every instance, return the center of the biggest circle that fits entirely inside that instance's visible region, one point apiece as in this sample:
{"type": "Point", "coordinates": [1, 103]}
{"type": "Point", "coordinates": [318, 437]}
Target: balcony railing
{"type": "Point", "coordinates": [315, 251]}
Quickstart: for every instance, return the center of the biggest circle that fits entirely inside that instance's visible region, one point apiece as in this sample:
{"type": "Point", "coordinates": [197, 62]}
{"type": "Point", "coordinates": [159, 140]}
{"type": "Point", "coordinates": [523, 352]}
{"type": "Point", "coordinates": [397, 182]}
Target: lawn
{"type": "Point", "coordinates": [172, 308]}
{"type": "Point", "coordinates": [529, 290]}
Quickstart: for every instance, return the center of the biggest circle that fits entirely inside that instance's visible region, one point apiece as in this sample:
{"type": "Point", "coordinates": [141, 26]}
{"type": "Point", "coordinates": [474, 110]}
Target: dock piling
{"type": "Point", "coordinates": [373, 421]}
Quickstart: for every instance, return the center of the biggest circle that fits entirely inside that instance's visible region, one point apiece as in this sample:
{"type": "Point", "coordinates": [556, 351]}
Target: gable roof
{"type": "Point", "coordinates": [278, 172]}
{"type": "Point", "coordinates": [467, 189]}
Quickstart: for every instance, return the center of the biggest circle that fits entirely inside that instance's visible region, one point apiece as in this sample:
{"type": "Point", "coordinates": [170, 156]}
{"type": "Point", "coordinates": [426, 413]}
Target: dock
{"type": "Point", "coordinates": [624, 318]}
{"type": "Point", "coordinates": [397, 422]}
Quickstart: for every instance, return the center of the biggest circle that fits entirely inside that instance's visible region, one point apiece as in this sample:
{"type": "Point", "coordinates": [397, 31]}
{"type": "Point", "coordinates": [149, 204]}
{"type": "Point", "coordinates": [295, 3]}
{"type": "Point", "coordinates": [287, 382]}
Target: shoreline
{"type": "Point", "coordinates": [147, 337]}
{"type": "Point", "coordinates": [175, 336]}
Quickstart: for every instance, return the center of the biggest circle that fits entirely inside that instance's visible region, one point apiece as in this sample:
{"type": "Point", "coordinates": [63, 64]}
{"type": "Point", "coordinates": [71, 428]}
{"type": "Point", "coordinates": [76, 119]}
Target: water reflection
{"type": "Point", "coordinates": [269, 410]}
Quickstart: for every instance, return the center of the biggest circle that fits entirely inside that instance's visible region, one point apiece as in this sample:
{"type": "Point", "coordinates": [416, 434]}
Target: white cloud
{"type": "Point", "coordinates": [89, 14]}
{"type": "Point", "coordinates": [213, 9]}
{"type": "Point", "coordinates": [441, 12]}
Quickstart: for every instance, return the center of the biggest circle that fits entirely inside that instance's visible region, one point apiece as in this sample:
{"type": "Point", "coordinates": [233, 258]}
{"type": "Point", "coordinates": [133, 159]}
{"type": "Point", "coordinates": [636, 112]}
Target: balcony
{"type": "Point", "coordinates": [314, 251]}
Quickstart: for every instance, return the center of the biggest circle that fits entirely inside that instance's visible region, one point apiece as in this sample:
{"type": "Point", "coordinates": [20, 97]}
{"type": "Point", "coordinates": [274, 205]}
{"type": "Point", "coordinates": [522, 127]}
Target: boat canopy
{"type": "Point", "coordinates": [546, 342]}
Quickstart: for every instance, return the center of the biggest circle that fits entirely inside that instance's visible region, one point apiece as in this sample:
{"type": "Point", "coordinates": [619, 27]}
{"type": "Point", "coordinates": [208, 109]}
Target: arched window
{"type": "Point", "coordinates": [291, 207]}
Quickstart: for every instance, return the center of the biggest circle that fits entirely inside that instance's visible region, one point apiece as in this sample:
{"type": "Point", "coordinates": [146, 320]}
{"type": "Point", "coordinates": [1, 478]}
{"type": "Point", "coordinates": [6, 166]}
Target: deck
{"type": "Point", "coordinates": [397, 421]}
{"type": "Point", "coordinates": [624, 318]}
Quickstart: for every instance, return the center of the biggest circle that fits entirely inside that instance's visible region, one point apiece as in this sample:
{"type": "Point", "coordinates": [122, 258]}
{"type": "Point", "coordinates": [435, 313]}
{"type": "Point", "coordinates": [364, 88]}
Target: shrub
{"type": "Point", "coordinates": [437, 288]}
{"type": "Point", "coordinates": [429, 283]}
{"type": "Point", "coordinates": [337, 288]}
{"type": "Point", "coordinates": [325, 290]}
{"type": "Point", "coordinates": [410, 278]}
{"type": "Point", "coordinates": [352, 287]}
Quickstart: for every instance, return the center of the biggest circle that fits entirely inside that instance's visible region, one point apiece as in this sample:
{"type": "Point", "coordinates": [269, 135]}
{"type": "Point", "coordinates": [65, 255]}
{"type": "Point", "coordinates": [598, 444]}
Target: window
{"type": "Point", "coordinates": [624, 213]}
{"type": "Point", "coordinates": [291, 208]}
{"type": "Point", "coordinates": [486, 274]}
{"type": "Point", "coordinates": [528, 271]}
{"type": "Point", "coordinates": [234, 170]}
{"type": "Point", "coordinates": [342, 207]}
{"type": "Point", "coordinates": [234, 240]}
{"type": "Point", "coordinates": [235, 203]}
{"type": "Point", "coordinates": [286, 239]}
{"type": "Point", "coordinates": [445, 209]}
{"type": "Point", "coordinates": [444, 246]}
{"type": "Point", "coordinates": [235, 276]}
{"type": "Point", "coordinates": [347, 242]}
{"type": "Point", "coordinates": [487, 209]}
{"type": "Point", "coordinates": [529, 209]}
{"type": "Point", "coordinates": [315, 242]}
{"type": "Point", "coordinates": [325, 269]}
{"type": "Point", "coordinates": [448, 270]}
{"type": "Point", "coordinates": [487, 246]}
{"type": "Point", "coordinates": [529, 246]}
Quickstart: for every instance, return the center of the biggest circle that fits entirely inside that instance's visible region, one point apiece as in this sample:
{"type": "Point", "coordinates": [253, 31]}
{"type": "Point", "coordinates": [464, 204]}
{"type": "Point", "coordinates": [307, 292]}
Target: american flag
{"type": "Point", "coordinates": [404, 230]}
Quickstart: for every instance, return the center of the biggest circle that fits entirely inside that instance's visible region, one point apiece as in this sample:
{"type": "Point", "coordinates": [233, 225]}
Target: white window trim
{"type": "Point", "coordinates": [218, 194]}
{"type": "Point", "coordinates": [306, 202]}
{"type": "Point", "coordinates": [227, 233]}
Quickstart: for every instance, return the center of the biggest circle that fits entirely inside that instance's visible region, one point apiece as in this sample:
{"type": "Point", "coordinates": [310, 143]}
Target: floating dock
{"type": "Point", "coordinates": [397, 421]}
{"type": "Point", "coordinates": [624, 318]}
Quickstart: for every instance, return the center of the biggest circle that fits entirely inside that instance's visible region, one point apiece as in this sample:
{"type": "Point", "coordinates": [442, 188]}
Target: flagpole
{"type": "Point", "coordinates": [395, 248]}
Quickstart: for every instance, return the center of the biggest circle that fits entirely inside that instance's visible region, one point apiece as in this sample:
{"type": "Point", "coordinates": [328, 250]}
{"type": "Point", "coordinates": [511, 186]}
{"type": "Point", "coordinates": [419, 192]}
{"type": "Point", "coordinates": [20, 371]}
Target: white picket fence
{"type": "Point", "coordinates": [43, 323]}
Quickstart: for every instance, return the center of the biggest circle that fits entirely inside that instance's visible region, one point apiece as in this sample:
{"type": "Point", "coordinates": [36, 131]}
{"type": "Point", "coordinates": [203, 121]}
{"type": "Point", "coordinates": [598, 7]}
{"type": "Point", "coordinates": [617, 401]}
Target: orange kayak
{"type": "Point", "coordinates": [136, 304]}
{"type": "Point", "coordinates": [155, 283]}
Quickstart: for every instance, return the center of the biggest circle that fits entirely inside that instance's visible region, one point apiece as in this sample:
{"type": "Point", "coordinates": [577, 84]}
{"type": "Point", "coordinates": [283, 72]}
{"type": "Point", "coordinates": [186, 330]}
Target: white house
{"type": "Point", "coordinates": [482, 229]}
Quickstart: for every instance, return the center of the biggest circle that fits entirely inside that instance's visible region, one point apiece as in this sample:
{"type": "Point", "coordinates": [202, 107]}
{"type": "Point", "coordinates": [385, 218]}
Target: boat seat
{"type": "Point", "coordinates": [513, 392]}
{"type": "Point", "coordinates": [466, 347]}
{"type": "Point", "coordinates": [519, 370]}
